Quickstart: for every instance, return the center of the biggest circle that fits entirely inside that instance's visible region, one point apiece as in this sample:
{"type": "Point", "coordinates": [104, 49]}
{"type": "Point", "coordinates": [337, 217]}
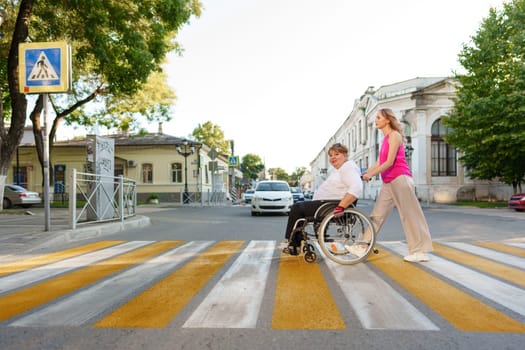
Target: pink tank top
{"type": "Point", "coordinates": [400, 166]}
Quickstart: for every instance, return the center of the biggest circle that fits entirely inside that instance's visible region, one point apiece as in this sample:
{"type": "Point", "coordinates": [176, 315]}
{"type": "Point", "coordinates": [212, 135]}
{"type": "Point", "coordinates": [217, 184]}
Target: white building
{"type": "Point", "coordinates": [419, 104]}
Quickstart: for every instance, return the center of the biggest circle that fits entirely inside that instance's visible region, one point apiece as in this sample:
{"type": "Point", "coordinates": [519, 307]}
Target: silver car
{"type": "Point", "coordinates": [272, 197]}
{"type": "Point", "coordinates": [17, 195]}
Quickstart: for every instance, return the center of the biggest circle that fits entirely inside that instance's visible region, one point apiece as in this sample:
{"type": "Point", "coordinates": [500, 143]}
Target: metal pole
{"type": "Point", "coordinates": [121, 197]}
{"type": "Point", "coordinates": [73, 199]}
{"type": "Point", "coordinates": [47, 215]}
{"type": "Point", "coordinates": [186, 194]}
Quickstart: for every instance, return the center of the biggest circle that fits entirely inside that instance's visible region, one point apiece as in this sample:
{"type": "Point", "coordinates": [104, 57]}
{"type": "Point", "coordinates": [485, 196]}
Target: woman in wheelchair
{"type": "Point", "coordinates": [340, 190]}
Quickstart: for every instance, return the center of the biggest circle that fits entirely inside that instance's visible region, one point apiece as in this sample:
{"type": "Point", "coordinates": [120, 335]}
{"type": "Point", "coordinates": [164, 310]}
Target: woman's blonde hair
{"type": "Point", "coordinates": [339, 148]}
{"type": "Point", "coordinates": [394, 123]}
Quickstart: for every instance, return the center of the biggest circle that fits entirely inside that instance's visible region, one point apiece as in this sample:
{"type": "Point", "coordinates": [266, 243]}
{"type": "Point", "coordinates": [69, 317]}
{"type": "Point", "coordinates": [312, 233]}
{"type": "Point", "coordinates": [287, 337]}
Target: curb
{"type": "Point", "coordinates": [90, 231]}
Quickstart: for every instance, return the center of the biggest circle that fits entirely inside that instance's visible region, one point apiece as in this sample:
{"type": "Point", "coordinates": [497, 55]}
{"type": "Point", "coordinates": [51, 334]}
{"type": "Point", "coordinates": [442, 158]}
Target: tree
{"type": "Point", "coordinates": [488, 118]}
{"type": "Point", "coordinates": [279, 174]}
{"type": "Point", "coordinates": [213, 136]}
{"type": "Point", "coordinates": [251, 166]}
{"type": "Point", "coordinates": [116, 46]}
{"type": "Point", "coordinates": [296, 175]}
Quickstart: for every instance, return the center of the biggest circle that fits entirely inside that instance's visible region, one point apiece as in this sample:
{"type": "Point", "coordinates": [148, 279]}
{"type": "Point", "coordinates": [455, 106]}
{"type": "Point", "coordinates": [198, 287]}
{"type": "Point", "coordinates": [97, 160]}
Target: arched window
{"type": "Point", "coordinates": [147, 173]}
{"type": "Point", "coordinates": [443, 155]}
{"type": "Point", "coordinates": [176, 172]}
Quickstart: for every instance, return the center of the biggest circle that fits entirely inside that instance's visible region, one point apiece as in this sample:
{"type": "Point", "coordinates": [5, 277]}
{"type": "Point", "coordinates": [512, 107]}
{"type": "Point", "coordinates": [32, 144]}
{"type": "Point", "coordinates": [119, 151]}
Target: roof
{"type": "Point", "coordinates": [130, 140]}
{"type": "Point", "coordinates": [405, 87]}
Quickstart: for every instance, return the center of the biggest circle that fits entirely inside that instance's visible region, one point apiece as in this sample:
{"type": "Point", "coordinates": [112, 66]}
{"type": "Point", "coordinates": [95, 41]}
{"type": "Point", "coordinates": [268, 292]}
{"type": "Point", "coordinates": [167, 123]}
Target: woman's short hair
{"type": "Point", "coordinates": [339, 148]}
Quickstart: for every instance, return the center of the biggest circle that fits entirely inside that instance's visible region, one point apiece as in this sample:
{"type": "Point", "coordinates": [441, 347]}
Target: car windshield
{"type": "Point", "coordinates": [272, 186]}
{"type": "Point", "coordinates": [295, 190]}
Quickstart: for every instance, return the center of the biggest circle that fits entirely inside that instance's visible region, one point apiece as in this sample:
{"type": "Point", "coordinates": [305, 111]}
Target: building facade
{"type": "Point", "coordinates": [157, 163]}
{"type": "Point", "coordinates": [419, 104]}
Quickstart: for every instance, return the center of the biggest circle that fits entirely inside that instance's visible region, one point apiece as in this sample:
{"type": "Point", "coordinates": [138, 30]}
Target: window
{"type": "Point", "coordinates": [443, 155]}
{"type": "Point", "coordinates": [119, 169]}
{"type": "Point", "coordinates": [176, 172]}
{"type": "Point", "coordinates": [147, 173]}
{"type": "Point", "coordinates": [20, 176]}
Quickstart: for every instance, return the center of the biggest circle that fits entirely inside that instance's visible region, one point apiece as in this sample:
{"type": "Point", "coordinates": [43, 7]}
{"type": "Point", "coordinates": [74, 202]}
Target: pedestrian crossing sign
{"type": "Point", "coordinates": [44, 67]}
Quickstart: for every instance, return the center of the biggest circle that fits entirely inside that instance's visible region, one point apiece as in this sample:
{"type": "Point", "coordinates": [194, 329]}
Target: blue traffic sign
{"type": "Point", "coordinates": [44, 67]}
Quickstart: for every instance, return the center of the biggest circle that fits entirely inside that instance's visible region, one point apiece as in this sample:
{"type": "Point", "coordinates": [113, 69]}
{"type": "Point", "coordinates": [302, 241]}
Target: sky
{"type": "Point", "coordinates": [280, 76]}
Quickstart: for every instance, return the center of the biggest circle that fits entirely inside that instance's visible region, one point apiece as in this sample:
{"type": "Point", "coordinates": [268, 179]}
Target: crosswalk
{"type": "Point", "coordinates": [471, 287]}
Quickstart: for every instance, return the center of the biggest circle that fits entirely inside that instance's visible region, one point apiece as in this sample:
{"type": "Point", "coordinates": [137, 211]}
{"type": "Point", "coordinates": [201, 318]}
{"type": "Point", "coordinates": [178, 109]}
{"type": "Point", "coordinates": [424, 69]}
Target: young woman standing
{"type": "Point", "coordinates": [398, 189]}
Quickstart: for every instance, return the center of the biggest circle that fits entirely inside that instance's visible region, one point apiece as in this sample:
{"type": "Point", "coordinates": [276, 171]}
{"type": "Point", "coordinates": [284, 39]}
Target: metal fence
{"type": "Point", "coordinates": [100, 198]}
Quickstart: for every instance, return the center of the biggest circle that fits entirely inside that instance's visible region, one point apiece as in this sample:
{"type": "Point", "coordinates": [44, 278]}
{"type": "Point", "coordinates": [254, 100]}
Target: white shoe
{"type": "Point", "coordinates": [417, 257]}
{"type": "Point", "coordinates": [357, 250]}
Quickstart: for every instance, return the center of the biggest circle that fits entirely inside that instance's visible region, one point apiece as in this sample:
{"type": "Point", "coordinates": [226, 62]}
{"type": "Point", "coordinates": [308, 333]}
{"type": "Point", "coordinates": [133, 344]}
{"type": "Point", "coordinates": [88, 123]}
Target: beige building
{"type": "Point", "coordinates": [155, 161]}
{"type": "Point", "coordinates": [420, 105]}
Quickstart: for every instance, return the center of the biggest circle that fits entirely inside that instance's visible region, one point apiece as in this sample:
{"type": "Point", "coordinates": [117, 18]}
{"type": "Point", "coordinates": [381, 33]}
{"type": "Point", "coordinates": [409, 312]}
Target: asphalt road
{"type": "Point", "coordinates": [212, 278]}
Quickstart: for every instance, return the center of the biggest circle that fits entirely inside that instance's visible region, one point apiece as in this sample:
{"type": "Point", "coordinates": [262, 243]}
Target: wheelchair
{"type": "Point", "coordinates": [335, 235]}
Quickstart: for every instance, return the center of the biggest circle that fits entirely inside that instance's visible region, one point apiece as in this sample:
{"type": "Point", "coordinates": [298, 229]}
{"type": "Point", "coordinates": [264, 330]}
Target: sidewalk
{"type": "Point", "coordinates": [22, 231]}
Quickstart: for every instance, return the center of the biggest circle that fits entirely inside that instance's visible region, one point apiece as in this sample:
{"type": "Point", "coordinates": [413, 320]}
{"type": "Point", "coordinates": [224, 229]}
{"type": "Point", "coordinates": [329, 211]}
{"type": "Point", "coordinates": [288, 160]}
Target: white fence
{"type": "Point", "coordinates": [107, 198]}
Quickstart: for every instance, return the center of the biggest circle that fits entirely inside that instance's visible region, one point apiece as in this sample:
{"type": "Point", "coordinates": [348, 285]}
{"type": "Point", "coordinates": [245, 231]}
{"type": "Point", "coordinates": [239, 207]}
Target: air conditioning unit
{"type": "Point", "coordinates": [132, 163]}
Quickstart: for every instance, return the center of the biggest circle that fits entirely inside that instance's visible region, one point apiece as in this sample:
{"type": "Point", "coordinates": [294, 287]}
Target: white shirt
{"type": "Point", "coordinates": [346, 179]}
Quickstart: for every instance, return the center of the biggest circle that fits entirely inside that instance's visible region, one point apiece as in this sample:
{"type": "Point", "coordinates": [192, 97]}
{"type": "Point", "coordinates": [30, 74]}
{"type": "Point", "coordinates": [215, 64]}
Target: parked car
{"type": "Point", "coordinates": [17, 195]}
{"type": "Point", "coordinates": [272, 196]}
{"type": "Point", "coordinates": [247, 196]}
{"type": "Point", "coordinates": [308, 194]}
{"type": "Point", "coordinates": [297, 194]}
{"type": "Point", "coordinates": [517, 202]}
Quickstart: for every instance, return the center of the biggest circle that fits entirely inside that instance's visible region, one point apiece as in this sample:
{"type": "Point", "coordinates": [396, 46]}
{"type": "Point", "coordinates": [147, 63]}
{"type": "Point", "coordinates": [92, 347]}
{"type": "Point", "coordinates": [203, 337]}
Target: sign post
{"type": "Point", "coordinates": [45, 68]}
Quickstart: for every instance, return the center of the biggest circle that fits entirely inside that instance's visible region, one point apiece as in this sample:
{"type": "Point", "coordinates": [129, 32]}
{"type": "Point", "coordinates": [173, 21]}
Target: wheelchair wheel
{"type": "Point", "coordinates": [347, 239]}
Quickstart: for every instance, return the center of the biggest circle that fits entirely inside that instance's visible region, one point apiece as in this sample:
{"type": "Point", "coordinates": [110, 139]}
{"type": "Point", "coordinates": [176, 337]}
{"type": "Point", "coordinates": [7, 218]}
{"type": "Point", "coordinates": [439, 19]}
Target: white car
{"type": "Point", "coordinates": [272, 197]}
{"type": "Point", "coordinates": [247, 196]}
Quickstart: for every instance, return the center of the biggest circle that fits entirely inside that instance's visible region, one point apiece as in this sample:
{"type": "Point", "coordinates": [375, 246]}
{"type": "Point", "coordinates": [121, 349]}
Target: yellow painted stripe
{"type": "Point", "coordinates": [54, 257]}
{"type": "Point", "coordinates": [459, 308]}
{"type": "Point", "coordinates": [493, 268]}
{"type": "Point", "coordinates": [28, 298]}
{"type": "Point", "coordinates": [503, 248]}
{"type": "Point", "coordinates": [303, 299]}
{"type": "Point", "coordinates": [158, 305]}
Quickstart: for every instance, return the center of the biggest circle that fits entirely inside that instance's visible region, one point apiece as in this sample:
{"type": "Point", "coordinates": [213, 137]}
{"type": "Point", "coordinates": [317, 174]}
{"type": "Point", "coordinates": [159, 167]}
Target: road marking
{"type": "Point", "coordinates": [384, 310]}
{"type": "Point", "coordinates": [302, 298]}
{"type": "Point", "coordinates": [503, 248]}
{"type": "Point", "coordinates": [501, 271]}
{"type": "Point", "coordinates": [516, 244]}
{"type": "Point", "coordinates": [457, 307]}
{"type": "Point", "coordinates": [19, 280]}
{"type": "Point", "coordinates": [23, 300]}
{"type": "Point", "coordinates": [90, 302]}
{"type": "Point", "coordinates": [488, 253]}
{"type": "Point", "coordinates": [53, 257]}
{"type": "Point", "coordinates": [236, 299]}
{"type": "Point", "coordinates": [158, 305]}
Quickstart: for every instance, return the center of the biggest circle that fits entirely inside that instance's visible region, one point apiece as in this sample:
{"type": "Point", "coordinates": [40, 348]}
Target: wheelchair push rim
{"type": "Point", "coordinates": [341, 236]}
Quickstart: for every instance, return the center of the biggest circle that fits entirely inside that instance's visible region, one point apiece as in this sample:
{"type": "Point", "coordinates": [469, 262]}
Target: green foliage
{"type": "Point", "coordinates": [213, 136]}
{"type": "Point", "coordinates": [251, 166]}
{"type": "Point", "coordinates": [296, 176]}
{"type": "Point", "coordinates": [488, 118]}
{"type": "Point", "coordinates": [279, 174]}
{"type": "Point", "coordinates": [116, 46]}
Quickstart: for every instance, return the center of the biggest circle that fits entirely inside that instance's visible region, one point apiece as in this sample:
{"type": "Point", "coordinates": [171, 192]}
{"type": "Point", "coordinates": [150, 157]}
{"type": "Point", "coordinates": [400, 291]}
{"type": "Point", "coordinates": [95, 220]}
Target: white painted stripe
{"type": "Point", "coordinates": [502, 293]}
{"type": "Point", "coordinates": [236, 300]}
{"type": "Point", "coordinates": [376, 303]}
{"type": "Point", "coordinates": [78, 308]}
{"type": "Point", "coordinates": [21, 279]}
{"type": "Point", "coordinates": [516, 244]}
{"type": "Point", "coordinates": [488, 253]}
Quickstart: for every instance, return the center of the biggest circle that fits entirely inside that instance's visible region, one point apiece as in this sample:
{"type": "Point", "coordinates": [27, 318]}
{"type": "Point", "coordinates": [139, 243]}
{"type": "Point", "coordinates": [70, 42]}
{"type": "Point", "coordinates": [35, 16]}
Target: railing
{"type": "Point", "coordinates": [107, 198]}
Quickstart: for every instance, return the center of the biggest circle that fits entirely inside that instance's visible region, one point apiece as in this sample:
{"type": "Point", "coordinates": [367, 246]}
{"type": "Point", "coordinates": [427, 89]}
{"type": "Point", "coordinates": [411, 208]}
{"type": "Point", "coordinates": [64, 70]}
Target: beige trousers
{"type": "Point", "coordinates": [400, 193]}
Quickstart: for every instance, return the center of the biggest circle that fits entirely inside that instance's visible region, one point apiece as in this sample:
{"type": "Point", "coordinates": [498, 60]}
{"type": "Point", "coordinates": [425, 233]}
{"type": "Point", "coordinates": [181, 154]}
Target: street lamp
{"type": "Point", "coordinates": [185, 150]}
